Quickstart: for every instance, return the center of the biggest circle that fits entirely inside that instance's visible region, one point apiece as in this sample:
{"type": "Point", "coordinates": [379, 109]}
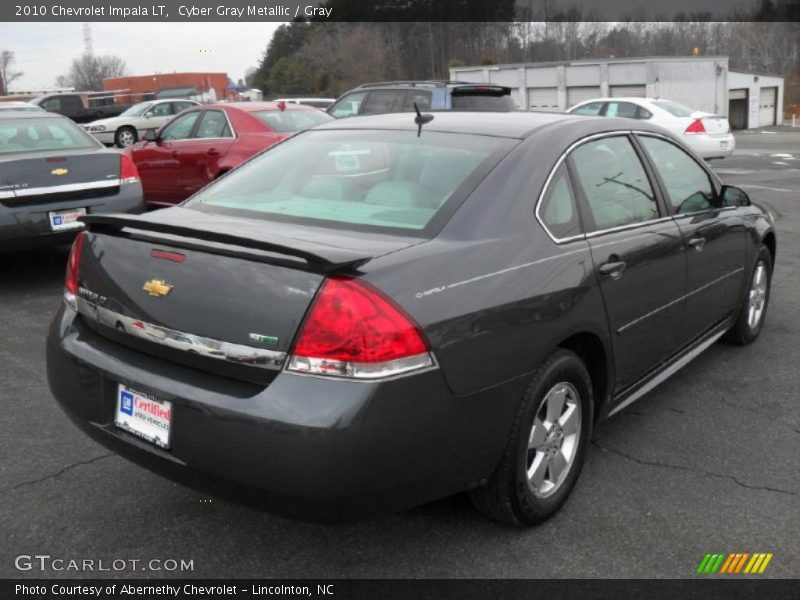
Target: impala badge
{"type": "Point", "coordinates": [59, 171]}
{"type": "Point", "coordinates": [157, 288]}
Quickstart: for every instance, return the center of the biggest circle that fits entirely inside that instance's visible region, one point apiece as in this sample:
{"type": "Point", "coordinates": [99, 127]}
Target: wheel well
{"type": "Point", "coordinates": [769, 242]}
{"type": "Point", "coordinates": [590, 349]}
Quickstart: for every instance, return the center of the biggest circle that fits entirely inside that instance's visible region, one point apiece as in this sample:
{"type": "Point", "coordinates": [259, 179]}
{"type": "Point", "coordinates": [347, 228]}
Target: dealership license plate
{"type": "Point", "coordinates": [143, 415]}
{"type": "Point", "coordinates": [62, 220]}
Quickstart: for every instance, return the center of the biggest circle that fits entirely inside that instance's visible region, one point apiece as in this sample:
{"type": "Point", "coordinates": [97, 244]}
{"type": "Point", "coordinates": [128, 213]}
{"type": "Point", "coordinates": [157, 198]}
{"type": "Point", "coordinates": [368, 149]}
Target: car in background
{"type": "Point", "coordinates": [401, 96]}
{"type": "Point", "coordinates": [19, 106]}
{"type": "Point", "coordinates": [381, 313]}
{"type": "Point", "coordinates": [708, 135]}
{"type": "Point", "coordinates": [81, 107]}
{"type": "Point", "coordinates": [52, 173]}
{"type": "Point", "coordinates": [322, 103]}
{"type": "Point", "coordinates": [205, 142]}
{"type": "Point", "coordinates": [129, 127]}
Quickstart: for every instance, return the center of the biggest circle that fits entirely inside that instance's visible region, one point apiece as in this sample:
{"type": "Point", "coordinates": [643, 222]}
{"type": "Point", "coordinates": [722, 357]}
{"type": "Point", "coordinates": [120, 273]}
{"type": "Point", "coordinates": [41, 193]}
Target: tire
{"type": "Point", "coordinates": [509, 496]}
{"type": "Point", "coordinates": [125, 136]}
{"type": "Point", "coordinates": [750, 318]}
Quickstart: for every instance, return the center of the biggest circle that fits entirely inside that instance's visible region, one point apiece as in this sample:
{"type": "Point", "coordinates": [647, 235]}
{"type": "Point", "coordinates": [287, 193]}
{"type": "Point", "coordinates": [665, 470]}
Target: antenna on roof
{"type": "Point", "coordinates": [421, 119]}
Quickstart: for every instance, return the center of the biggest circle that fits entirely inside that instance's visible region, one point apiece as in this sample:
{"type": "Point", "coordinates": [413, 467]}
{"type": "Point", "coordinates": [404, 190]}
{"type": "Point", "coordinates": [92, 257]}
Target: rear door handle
{"type": "Point", "coordinates": [697, 243]}
{"type": "Point", "coordinates": [612, 269]}
{"type": "Point", "coordinates": [213, 152]}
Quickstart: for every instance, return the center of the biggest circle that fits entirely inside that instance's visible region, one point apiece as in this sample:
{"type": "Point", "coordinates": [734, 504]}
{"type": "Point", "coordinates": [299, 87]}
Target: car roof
{"type": "Point", "coordinates": [258, 106]}
{"type": "Point", "coordinates": [500, 124]}
{"type": "Point", "coordinates": [424, 83]}
{"type": "Point", "coordinates": [32, 114]}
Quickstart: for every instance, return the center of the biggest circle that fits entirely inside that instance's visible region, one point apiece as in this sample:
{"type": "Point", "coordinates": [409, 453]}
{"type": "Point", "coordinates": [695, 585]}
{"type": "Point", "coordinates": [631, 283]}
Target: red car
{"type": "Point", "coordinates": [202, 143]}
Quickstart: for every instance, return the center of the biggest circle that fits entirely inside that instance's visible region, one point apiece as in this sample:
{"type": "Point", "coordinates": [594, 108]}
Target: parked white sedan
{"type": "Point", "coordinates": [708, 135]}
{"type": "Point", "coordinates": [130, 126]}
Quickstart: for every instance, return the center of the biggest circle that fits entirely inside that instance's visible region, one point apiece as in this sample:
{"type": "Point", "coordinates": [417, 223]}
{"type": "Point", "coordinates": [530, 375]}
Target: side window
{"type": "Point", "coordinates": [181, 106]}
{"type": "Point", "coordinates": [349, 105]}
{"type": "Point", "coordinates": [72, 104]}
{"type": "Point", "coordinates": [558, 210]}
{"type": "Point", "coordinates": [180, 128]}
{"type": "Point", "coordinates": [422, 99]}
{"type": "Point", "coordinates": [52, 104]}
{"type": "Point", "coordinates": [624, 110]}
{"type": "Point", "coordinates": [614, 183]}
{"type": "Point", "coordinates": [380, 101]}
{"type": "Point", "coordinates": [162, 110]}
{"type": "Point", "coordinates": [643, 113]}
{"type": "Point", "coordinates": [689, 188]}
{"type": "Point", "coordinates": [213, 124]}
{"type": "Point", "coordinates": [592, 109]}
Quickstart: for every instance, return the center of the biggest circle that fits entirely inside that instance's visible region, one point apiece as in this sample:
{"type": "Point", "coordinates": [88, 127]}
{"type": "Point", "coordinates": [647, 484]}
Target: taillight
{"type": "Point", "coordinates": [696, 126]}
{"type": "Point", "coordinates": [128, 173]}
{"type": "Point", "coordinates": [71, 277]}
{"type": "Point", "coordinates": [353, 330]}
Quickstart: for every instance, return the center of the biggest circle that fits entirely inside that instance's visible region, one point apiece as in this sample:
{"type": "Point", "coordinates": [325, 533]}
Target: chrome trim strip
{"type": "Point", "coordinates": [667, 373]}
{"type": "Point", "coordinates": [178, 340]}
{"type": "Point", "coordinates": [684, 297]}
{"type": "Point", "coordinates": [600, 232]}
{"type": "Point", "coordinates": [56, 189]}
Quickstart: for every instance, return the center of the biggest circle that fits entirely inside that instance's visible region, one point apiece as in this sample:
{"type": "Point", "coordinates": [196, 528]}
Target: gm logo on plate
{"type": "Point", "coordinates": [126, 403]}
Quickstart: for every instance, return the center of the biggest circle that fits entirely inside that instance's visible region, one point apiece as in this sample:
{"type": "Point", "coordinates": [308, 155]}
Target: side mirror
{"type": "Point", "coordinates": [734, 196]}
{"type": "Point", "coordinates": [148, 114]}
{"type": "Point", "coordinates": [151, 135]}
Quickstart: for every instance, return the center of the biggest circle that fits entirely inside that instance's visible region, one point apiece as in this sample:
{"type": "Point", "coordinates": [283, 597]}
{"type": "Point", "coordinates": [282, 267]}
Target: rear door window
{"type": "Point", "coordinates": [382, 101]}
{"type": "Point", "coordinates": [624, 110]}
{"type": "Point", "coordinates": [615, 185]}
{"type": "Point", "coordinates": [421, 98]}
{"type": "Point", "coordinates": [164, 109]}
{"type": "Point", "coordinates": [482, 98]}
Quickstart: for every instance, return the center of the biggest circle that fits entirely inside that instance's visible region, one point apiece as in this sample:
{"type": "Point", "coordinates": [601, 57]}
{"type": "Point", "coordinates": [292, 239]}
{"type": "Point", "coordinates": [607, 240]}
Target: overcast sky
{"type": "Point", "coordinates": [44, 50]}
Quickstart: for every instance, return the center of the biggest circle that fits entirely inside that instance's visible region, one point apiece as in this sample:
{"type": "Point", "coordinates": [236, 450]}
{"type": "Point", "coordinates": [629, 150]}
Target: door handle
{"type": "Point", "coordinates": [213, 152]}
{"type": "Point", "coordinates": [612, 269]}
{"type": "Point", "coordinates": [697, 243]}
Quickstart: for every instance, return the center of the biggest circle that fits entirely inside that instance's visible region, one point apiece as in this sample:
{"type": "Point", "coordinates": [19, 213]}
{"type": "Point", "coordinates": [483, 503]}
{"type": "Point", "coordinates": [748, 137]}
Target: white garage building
{"type": "Point", "coordinates": [704, 83]}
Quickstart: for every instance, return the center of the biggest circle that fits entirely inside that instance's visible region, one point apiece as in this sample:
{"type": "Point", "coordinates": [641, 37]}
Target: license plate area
{"type": "Point", "coordinates": [144, 416]}
{"type": "Point", "coordinates": [64, 220]}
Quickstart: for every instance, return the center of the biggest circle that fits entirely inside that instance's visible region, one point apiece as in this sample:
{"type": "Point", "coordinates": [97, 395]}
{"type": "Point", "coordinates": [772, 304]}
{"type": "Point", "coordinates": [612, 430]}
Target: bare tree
{"type": "Point", "coordinates": [7, 74]}
{"type": "Point", "coordinates": [88, 71]}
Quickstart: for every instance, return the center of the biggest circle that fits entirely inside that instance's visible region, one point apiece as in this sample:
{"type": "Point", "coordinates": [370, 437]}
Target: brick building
{"type": "Point", "coordinates": [207, 86]}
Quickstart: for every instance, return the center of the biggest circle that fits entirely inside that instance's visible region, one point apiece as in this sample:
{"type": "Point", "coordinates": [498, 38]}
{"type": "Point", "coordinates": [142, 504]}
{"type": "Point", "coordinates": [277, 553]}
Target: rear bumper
{"type": "Point", "coordinates": [28, 226]}
{"type": "Point", "coordinates": [306, 447]}
{"type": "Point", "coordinates": [711, 146]}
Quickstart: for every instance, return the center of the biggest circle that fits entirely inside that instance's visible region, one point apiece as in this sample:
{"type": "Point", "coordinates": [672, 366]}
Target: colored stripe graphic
{"type": "Point", "coordinates": [733, 563]}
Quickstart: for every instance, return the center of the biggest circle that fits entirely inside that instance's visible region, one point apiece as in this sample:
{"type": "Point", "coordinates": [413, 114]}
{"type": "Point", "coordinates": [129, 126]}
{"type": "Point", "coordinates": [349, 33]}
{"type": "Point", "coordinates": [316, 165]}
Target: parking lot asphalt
{"type": "Point", "coordinates": [707, 462]}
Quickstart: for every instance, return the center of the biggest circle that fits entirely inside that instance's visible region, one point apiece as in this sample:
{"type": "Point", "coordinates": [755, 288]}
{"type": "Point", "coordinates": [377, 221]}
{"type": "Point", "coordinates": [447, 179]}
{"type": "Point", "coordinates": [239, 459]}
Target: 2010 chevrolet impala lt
{"type": "Point", "coordinates": [386, 310]}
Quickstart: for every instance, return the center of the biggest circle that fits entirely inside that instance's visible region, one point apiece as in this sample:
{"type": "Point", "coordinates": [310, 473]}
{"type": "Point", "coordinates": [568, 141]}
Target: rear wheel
{"type": "Point", "coordinates": [753, 310]}
{"type": "Point", "coordinates": [546, 448]}
{"type": "Point", "coordinates": [125, 137]}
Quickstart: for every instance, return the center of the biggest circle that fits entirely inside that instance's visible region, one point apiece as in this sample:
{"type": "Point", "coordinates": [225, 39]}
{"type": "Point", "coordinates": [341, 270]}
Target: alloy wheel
{"type": "Point", "coordinates": [553, 440]}
{"type": "Point", "coordinates": [758, 296]}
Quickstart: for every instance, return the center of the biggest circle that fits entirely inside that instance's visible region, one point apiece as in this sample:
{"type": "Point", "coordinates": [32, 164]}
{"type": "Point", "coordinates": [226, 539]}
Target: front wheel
{"type": "Point", "coordinates": [125, 136]}
{"type": "Point", "coordinates": [753, 309]}
{"type": "Point", "coordinates": [546, 448]}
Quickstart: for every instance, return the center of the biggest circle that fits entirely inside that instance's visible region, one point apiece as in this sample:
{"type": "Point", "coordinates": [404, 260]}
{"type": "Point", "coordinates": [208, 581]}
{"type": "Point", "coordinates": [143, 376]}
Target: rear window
{"type": "Point", "coordinates": [675, 109]}
{"type": "Point", "coordinates": [289, 121]}
{"type": "Point", "coordinates": [482, 98]}
{"type": "Point", "coordinates": [33, 135]}
{"type": "Point", "coordinates": [378, 180]}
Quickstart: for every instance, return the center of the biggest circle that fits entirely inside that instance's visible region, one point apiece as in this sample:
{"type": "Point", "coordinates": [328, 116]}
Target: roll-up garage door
{"type": "Point", "coordinates": [543, 99]}
{"type": "Point", "coordinates": [581, 94]}
{"type": "Point", "coordinates": [628, 91]}
{"type": "Point", "coordinates": [740, 94]}
{"type": "Point", "coordinates": [766, 106]}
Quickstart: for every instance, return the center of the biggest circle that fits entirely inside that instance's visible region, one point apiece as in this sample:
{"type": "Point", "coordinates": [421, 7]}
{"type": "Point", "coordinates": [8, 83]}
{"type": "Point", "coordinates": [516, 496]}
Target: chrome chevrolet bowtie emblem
{"type": "Point", "coordinates": [59, 171]}
{"type": "Point", "coordinates": [157, 287]}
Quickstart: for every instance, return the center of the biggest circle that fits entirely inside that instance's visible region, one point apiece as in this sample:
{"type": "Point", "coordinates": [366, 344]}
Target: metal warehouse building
{"type": "Point", "coordinates": [704, 83]}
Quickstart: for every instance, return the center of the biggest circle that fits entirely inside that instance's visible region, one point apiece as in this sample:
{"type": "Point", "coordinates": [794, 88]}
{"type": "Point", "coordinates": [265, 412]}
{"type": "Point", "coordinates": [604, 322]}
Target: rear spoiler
{"type": "Point", "coordinates": [322, 259]}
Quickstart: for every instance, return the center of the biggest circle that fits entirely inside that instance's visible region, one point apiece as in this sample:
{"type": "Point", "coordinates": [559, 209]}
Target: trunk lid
{"type": "Point", "coordinates": [224, 294]}
{"type": "Point", "coordinates": [47, 177]}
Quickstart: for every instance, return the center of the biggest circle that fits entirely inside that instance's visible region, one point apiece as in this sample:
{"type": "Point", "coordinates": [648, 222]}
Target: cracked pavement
{"type": "Point", "coordinates": [707, 462]}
